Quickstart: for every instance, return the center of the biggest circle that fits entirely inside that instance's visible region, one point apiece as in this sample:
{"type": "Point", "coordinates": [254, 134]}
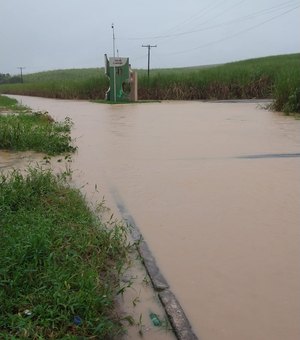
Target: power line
{"type": "Point", "coordinates": [276, 11]}
{"type": "Point", "coordinates": [262, 12]}
{"type": "Point", "coordinates": [236, 34]}
{"type": "Point", "coordinates": [222, 12]}
{"type": "Point", "coordinates": [246, 17]}
{"type": "Point", "coordinates": [198, 15]}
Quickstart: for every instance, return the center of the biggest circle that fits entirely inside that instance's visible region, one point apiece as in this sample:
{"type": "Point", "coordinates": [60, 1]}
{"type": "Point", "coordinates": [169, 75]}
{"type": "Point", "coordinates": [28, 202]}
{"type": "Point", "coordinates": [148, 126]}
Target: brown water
{"type": "Point", "coordinates": [224, 227]}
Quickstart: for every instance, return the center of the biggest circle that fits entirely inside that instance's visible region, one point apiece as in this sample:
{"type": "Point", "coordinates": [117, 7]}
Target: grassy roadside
{"type": "Point", "coordinates": [8, 105]}
{"type": "Point", "coordinates": [22, 130]}
{"type": "Point", "coordinates": [276, 77]}
{"type": "Point", "coordinates": [59, 265]}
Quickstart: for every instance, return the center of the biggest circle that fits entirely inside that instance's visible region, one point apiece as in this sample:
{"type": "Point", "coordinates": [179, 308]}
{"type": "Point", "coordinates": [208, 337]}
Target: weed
{"type": "Point", "coordinates": [165, 324]}
{"type": "Point", "coordinates": [35, 131]}
{"type": "Point", "coordinates": [129, 319]}
{"type": "Point", "coordinates": [140, 325]}
{"type": "Point", "coordinates": [136, 300]}
{"type": "Point", "coordinates": [146, 280]}
{"type": "Point", "coordinates": [58, 262]}
{"type": "Point", "coordinates": [293, 103]}
{"type": "Point", "coordinates": [9, 104]}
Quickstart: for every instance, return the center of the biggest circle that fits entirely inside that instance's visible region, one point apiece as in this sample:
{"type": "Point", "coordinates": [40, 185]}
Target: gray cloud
{"type": "Point", "coordinates": [43, 35]}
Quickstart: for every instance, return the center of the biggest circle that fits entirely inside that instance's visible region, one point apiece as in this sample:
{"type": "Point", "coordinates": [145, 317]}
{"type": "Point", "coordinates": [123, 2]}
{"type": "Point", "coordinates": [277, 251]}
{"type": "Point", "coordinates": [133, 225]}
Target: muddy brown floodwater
{"type": "Point", "coordinates": [215, 191]}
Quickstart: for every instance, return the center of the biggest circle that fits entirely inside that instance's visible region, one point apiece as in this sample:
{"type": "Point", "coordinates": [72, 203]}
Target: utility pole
{"type": "Point", "coordinates": [149, 48]}
{"type": "Point", "coordinates": [21, 69]}
{"type": "Point", "coordinates": [114, 53]}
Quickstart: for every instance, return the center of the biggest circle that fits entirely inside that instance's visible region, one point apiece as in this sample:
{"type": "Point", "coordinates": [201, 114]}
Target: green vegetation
{"type": "Point", "coordinates": [9, 104]}
{"type": "Point", "coordinates": [59, 265]}
{"type": "Point", "coordinates": [36, 131]}
{"type": "Point", "coordinates": [276, 77]}
{"type": "Point", "coordinates": [8, 79]}
{"type": "Point", "coordinates": [62, 84]}
{"type": "Point", "coordinates": [68, 75]}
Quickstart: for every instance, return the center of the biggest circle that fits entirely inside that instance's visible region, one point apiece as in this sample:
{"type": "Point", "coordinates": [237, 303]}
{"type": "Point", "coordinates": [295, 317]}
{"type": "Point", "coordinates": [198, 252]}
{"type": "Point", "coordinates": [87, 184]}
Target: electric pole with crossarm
{"type": "Point", "coordinates": [21, 68]}
{"type": "Point", "coordinates": [149, 48]}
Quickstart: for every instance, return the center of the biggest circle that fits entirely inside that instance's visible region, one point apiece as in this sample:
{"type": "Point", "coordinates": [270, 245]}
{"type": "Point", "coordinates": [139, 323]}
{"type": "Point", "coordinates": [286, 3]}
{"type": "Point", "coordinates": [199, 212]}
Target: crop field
{"type": "Point", "coordinates": [276, 77]}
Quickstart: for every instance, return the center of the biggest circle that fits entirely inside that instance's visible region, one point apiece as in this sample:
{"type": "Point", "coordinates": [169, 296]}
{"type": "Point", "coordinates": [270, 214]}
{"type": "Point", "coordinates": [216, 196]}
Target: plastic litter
{"type": "Point", "coordinates": [77, 320]}
{"type": "Point", "coordinates": [155, 319]}
{"type": "Point", "coordinates": [27, 312]}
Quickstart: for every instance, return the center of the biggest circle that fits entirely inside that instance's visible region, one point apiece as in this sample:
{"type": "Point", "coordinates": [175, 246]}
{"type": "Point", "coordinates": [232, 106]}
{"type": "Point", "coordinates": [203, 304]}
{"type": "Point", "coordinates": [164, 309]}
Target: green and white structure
{"type": "Point", "coordinates": [122, 80]}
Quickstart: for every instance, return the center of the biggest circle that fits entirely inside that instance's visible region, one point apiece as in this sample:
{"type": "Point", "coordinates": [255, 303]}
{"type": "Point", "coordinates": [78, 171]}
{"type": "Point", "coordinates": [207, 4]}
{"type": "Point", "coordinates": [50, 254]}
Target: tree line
{"type": "Point", "coordinates": [6, 78]}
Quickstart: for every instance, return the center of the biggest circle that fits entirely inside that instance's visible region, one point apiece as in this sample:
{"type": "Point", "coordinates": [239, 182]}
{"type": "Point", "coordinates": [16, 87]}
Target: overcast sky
{"type": "Point", "coordinates": [56, 34]}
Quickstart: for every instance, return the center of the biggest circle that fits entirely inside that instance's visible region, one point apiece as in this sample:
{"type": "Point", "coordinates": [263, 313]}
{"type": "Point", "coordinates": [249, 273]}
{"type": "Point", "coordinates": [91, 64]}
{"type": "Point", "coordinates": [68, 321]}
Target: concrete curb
{"type": "Point", "coordinates": [178, 320]}
{"type": "Point", "coordinates": [158, 281]}
{"type": "Point", "coordinates": [176, 315]}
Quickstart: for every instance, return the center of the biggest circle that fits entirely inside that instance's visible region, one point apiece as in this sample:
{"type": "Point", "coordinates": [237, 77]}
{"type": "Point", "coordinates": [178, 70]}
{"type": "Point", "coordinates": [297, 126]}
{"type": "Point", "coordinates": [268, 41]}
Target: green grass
{"type": "Point", "coordinates": [33, 130]}
{"type": "Point", "coordinates": [59, 264]}
{"type": "Point", "coordinates": [9, 104]}
{"type": "Point", "coordinates": [276, 77]}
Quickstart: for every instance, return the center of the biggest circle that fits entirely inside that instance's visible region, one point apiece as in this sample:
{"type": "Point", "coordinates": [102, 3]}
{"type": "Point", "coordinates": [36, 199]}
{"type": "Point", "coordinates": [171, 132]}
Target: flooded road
{"type": "Point", "coordinates": [215, 191]}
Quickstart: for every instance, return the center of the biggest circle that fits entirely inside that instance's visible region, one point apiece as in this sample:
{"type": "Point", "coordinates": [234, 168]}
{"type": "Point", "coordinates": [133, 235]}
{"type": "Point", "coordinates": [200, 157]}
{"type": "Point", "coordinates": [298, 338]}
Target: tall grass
{"type": "Point", "coordinates": [256, 78]}
{"type": "Point", "coordinates": [90, 88]}
{"type": "Point", "coordinates": [276, 77]}
{"type": "Point", "coordinates": [67, 75]}
{"type": "Point", "coordinates": [35, 131]}
{"type": "Point", "coordinates": [59, 265]}
{"type": "Point", "coordinates": [8, 104]}
{"type": "Point", "coordinates": [24, 130]}
{"type": "Point", "coordinates": [287, 90]}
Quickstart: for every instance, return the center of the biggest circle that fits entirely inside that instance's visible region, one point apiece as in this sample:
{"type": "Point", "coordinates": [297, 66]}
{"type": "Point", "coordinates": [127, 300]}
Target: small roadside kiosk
{"type": "Point", "coordinates": [122, 80]}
